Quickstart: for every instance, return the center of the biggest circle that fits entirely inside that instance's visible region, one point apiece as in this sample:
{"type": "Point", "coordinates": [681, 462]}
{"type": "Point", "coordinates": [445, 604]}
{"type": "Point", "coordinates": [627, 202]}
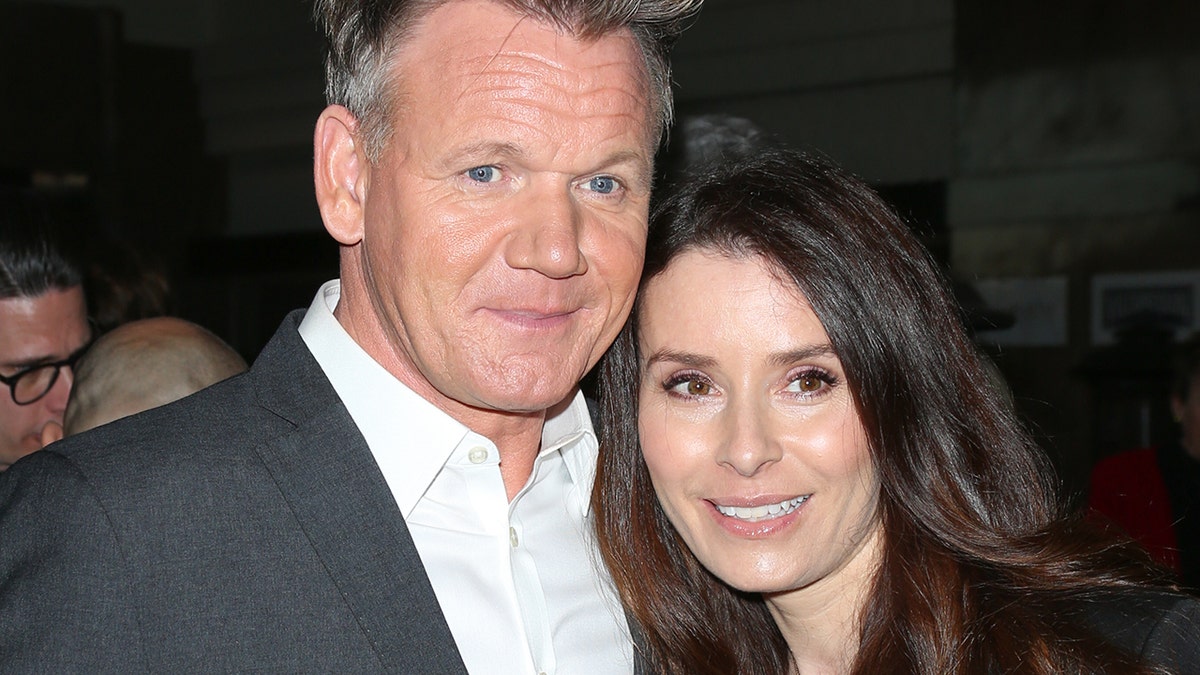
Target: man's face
{"type": "Point", "coordinates": [35, 330]}
{"type": "Point", "coordinates": [505, 222]}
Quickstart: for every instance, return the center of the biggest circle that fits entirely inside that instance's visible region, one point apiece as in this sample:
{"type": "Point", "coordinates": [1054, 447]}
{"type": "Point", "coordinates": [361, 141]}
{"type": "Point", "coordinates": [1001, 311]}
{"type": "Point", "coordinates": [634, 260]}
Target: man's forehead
{"type": "Point", "coordinates": [472, 40]}
{"type": "Point", "coordinates": [37, 328]}
{"type": "Point", "coordinates": [490, 76]}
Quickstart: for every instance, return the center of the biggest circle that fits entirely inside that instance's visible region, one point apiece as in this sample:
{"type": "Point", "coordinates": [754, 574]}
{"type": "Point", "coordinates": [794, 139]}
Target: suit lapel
{"type": "Point", "coordinates": [331, 481]}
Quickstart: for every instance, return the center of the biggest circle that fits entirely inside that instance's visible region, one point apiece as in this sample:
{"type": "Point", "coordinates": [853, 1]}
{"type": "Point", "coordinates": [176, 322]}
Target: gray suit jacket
{"type": "Point", "coordinates": [246, 527]}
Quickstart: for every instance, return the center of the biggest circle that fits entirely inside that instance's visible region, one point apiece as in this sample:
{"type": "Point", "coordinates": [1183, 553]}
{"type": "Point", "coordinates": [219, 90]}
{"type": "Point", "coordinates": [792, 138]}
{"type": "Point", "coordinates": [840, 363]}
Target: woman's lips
{"type": "Point", "coordinates": [761, 512]}
{"type": "Point", "coordinates": [758, 518]}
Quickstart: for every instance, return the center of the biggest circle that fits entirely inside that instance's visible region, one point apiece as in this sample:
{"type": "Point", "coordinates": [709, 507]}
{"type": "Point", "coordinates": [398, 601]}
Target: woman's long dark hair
{"type": "Point", "coordinates": [980, 569]}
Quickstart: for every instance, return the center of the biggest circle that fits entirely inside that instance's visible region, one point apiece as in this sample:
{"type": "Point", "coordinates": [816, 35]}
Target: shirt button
{"type": "Point", "coordinates": [477, 455]}
{"type": "Point", "coordinates": [512, 536]}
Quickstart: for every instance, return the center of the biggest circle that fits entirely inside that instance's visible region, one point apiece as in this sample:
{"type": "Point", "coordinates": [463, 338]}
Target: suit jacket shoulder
{"type": "Point", "coordinates": [244, 527]}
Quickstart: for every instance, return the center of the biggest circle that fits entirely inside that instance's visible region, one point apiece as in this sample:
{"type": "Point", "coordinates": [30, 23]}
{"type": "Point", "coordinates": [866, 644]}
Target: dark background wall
{"type": "Point", "coordinates": [1047, 150]}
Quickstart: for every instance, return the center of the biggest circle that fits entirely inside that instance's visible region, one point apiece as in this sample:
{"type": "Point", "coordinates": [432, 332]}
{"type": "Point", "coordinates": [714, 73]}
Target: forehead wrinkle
{"type": "Point", "coordinates": [521, 77]}
{"type": "Point", "coordinates": [533, 118]}
{"type": "Point", "coordinates": [519, 74]}
{"type": "Point", "coordinates": [529, 91]}
{"type": "Point", "coordinates": [487, 148]}
{"type": "Point", "coordinates": [519, 68]}
{"type": "Point", "coordinates": [473, 84]}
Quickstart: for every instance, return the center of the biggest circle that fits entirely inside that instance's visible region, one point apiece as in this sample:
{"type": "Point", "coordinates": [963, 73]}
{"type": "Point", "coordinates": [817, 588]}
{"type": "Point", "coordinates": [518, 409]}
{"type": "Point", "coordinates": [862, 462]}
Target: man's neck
{"type": "Point", "coordinates": [518, 448]}
{"type": "Point", "coordinates": [517, 437]}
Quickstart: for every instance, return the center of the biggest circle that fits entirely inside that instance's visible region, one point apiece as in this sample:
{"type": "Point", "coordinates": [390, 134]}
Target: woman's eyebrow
{"type": "Point", "coordinates": [803, 353]}
{"type": "Point", "coordinates": [683, 358]}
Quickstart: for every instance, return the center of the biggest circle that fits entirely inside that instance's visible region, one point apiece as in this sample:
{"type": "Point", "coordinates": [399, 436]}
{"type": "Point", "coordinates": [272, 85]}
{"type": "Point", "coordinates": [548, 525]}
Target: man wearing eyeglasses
{"type": "Point", "coordinates": [43, 330]}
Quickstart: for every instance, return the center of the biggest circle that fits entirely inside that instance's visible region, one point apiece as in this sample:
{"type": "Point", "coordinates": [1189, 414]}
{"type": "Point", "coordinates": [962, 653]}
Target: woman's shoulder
{"type": "Point", "coordinates": [1161, 627]}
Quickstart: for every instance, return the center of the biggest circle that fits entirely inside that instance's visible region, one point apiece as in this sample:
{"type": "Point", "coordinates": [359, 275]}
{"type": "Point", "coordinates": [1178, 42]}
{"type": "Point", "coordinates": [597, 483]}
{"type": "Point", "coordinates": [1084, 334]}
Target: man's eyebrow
{"type": "Point", "coordinates": [35, 361]}
{"type": "Point", "coordinates": [484, 149]}
{"type": "Point", "coordinates": [683, 358]}
{"type": "Point", "coordinates": [26, 363]}
{"type": "Point", "coordinates": [642, 167]}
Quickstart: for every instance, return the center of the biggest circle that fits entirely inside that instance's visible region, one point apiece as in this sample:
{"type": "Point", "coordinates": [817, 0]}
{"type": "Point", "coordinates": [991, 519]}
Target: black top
{"type": "Point", "coordinates": [1181, 475]}
{"type": "Point", "coordinates": [1162, 628]}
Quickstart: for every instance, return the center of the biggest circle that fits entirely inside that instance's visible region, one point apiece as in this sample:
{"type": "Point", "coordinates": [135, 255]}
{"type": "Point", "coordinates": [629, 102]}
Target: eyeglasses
{"type": "Point", "coordinates": [30, 385]}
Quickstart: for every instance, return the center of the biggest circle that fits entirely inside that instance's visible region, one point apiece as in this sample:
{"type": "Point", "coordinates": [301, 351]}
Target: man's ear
{"type": "Point", "coordinates": [339, 172]}
{"type": "Point", "coordinates": [1177, 408]}
{"type": "Point", "coordinates": [52, 432]}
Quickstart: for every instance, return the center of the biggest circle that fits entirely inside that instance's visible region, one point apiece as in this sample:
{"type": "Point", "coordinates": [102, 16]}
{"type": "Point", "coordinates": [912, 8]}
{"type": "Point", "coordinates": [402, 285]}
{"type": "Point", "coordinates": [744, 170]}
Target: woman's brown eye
{"type": "Point", "coordinates": [809, 383]}
{"type": "Point", "coordinates": [698, 388]}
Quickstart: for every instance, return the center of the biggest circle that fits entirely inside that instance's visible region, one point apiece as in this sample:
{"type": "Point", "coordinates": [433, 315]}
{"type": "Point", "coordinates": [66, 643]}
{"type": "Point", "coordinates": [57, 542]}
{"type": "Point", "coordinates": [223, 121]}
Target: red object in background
{"type": "Point", "coordinates": [1127, 490]}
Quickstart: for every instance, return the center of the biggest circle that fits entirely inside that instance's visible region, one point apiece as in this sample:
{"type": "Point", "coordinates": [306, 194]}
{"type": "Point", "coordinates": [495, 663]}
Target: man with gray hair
{"type": "Point", "coordinates": [400, 483]}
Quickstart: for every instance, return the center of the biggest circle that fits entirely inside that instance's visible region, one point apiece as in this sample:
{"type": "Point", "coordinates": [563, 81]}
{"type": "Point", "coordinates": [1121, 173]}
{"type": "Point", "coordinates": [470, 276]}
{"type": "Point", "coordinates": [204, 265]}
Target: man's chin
{"type": "Point", "coordinates": [517, 398]}
{"type": "Point", "coordinates": [12, 456]}
{"type": "Point", "coordinates": [524, 386]}
{"type": "Point", "coordinates": [519, 406]}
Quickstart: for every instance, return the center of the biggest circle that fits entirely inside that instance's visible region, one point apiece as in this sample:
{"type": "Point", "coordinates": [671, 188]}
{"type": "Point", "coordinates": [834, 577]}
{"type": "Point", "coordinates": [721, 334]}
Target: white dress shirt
{"type": "Point", "coordinates": [518, 582]}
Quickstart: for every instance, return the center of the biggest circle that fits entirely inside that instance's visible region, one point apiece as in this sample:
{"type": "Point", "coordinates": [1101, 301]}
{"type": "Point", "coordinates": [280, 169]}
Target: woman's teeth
{"type": "Point", "coordinates": [765, 512]}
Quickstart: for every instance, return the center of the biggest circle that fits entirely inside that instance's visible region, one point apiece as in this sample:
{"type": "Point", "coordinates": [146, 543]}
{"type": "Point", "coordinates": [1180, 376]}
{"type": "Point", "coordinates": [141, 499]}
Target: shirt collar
{"type": "Point", "coordinates": [571, 432]}
{"type": "Point", "coordinates": [410, 437]}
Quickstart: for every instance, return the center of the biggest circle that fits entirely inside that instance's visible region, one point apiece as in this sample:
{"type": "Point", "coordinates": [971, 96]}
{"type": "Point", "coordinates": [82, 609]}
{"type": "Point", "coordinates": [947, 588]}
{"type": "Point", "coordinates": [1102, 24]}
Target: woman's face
{"type": "Point", "coordinates": [749, 429]}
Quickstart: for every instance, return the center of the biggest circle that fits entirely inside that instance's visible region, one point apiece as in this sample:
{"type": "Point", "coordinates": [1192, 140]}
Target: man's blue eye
{"type": "Point", "coordinates": [482, 174]}
{"type": "Point", "coordinates": [603, 184]}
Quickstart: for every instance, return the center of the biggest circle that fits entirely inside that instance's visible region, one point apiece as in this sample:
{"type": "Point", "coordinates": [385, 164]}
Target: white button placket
{"type": "Point", "coordinates": [528, 583]}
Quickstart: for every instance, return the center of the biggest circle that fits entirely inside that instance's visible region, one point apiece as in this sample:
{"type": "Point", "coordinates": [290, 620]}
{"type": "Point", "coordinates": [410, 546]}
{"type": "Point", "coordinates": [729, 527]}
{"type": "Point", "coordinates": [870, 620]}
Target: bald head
{"type": "Point", "coordinates": [145, 364]}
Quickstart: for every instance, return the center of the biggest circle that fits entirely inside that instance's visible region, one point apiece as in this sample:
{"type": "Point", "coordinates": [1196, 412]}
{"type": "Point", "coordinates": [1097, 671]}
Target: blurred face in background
{"type": "Point", "coordinates": [1187, 413]}
{"type": "Point", "coordinates": [34, 331]}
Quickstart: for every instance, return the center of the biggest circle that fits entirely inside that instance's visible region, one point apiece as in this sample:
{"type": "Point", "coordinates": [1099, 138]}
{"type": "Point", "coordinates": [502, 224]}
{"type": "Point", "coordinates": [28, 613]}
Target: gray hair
{"type": "Point", "coordinates": [363, 35]}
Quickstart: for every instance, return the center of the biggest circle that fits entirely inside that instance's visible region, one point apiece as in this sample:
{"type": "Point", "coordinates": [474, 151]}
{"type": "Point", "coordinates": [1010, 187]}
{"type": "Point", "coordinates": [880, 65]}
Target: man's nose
{"type": "Point", "coordinates": [56, 399]}
{"type": "Point", "coordinates": [548, 236]}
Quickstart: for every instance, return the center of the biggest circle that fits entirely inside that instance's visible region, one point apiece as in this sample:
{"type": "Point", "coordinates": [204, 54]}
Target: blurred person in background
{"type": "Point", "coordinates": [122, 283]}
{"type": "Point", "coordinates": [43, 324]}
{"type": "Point", "coordinates": [141, 365]}
{"type": "Point", "coordinates": [1153, 494]}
